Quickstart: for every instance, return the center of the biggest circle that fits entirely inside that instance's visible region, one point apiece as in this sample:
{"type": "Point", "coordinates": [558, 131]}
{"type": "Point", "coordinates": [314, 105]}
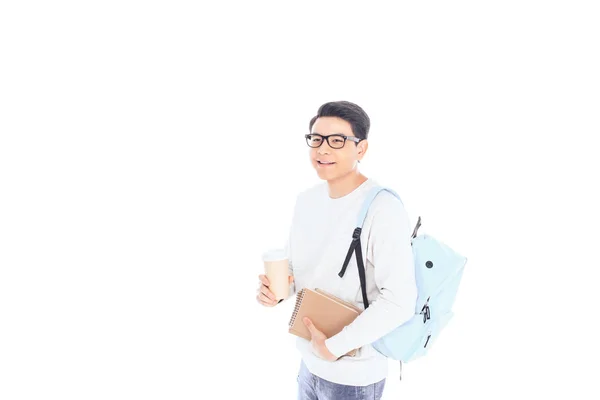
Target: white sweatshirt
{"type": "Point", "coordinates": [320, 236]}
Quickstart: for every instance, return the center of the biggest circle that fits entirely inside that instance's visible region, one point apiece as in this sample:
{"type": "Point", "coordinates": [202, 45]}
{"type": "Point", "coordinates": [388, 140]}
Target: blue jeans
{"type": "Point", "coordinates": [311, 387]}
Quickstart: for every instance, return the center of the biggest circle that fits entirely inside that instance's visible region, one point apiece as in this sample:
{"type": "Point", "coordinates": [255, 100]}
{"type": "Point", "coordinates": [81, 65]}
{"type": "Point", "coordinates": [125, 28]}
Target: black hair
{"type": "Point", "coordinates": [350, 112]}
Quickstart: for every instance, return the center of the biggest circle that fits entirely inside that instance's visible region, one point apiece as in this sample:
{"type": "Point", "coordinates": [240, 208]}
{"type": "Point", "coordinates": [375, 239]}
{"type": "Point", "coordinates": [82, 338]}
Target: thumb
{"type": "Point", "coordinates": [311, 327]}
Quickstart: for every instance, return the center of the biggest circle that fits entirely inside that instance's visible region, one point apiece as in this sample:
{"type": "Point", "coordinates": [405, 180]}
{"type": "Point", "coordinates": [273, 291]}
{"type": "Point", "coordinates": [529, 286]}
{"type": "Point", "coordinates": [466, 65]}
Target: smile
{"type": "Point", "coordinates": [325, 163]}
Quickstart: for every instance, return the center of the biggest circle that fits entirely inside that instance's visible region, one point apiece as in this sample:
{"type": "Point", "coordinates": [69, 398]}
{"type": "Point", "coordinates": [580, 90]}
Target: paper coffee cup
{"type": "Point", "coordinates": [277, 271]}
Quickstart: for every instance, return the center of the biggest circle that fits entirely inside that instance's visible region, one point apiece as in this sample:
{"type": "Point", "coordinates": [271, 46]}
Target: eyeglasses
{"type": "Point", "coordinates": [336, 141]}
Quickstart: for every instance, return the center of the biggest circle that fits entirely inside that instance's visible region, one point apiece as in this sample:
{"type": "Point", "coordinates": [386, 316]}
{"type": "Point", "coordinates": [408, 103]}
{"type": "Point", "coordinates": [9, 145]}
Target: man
{"type": "Point", "coordinates": [321, 232]}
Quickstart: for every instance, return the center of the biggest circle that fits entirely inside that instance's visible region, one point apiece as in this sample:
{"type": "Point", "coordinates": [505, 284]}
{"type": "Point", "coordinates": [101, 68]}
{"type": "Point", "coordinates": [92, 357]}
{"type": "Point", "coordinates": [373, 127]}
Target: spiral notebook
{"type": "Point", "coordinates": [329, 313]}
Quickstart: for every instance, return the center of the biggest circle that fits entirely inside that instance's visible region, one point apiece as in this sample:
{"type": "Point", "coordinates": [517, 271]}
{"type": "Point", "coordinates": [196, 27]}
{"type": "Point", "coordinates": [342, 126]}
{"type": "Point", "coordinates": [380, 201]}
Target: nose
{"type": "Point", "coordinates": [324, 148]}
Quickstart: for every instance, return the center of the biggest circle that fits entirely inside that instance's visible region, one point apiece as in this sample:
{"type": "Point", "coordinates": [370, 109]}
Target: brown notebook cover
{"type": "Point", "coordinates": [329, 313]}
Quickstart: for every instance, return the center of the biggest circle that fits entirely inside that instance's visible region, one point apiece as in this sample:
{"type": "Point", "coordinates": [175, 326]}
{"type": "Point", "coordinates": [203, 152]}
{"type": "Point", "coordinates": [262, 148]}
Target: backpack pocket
{"type": "Point", "coordinates": [401, 343]}
{"type": "Point", "coordinates": [429, 334]}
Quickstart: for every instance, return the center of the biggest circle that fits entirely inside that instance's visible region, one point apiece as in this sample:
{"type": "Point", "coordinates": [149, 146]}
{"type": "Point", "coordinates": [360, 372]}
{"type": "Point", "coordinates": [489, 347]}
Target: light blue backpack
{"type": "Point", "coordinates": [438, 271]}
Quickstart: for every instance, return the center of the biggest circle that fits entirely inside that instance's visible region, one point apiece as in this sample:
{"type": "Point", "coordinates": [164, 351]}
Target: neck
{"type": "Point", "coordinates": [344, 185]}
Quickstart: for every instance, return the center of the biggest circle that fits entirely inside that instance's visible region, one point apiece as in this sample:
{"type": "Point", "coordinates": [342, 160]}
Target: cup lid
{"type": "Point", "coordinates": [274, 255]}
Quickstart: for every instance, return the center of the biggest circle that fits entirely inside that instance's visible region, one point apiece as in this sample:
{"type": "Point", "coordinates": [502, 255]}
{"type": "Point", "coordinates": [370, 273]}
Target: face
{"type": "Point", "coordinates": [330, 163]}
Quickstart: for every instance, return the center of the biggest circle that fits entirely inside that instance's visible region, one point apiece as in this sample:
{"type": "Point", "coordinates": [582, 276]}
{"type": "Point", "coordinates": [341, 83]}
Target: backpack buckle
{"type": "Point", "coordinates": [356, 234]}
{"type": "Point", "coordinates": [425, 311]}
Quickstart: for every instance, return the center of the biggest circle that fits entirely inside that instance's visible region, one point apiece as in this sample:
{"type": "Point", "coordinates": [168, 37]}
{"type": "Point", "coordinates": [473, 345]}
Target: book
{"type": "Point", "coordinates": [329, 313]}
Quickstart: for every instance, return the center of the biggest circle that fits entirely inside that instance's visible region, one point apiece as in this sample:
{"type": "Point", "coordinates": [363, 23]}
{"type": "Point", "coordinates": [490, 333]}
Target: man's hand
{"type": "Point", "coordinates": [263, 295]}
{"type": "Point", "coordinates": [318, 341]}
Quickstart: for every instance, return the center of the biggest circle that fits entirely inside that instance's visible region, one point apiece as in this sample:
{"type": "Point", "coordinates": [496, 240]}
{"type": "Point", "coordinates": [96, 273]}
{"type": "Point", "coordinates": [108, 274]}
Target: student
{"type": "Point", "coordinates": [323, 221]}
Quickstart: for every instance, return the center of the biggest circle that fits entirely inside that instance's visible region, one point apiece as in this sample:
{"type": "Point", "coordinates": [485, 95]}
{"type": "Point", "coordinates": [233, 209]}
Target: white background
{"type": "Point", "coordinates": [151, 151]}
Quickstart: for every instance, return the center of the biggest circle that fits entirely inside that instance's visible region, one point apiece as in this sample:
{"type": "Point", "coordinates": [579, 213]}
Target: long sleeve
{"type": "Point", "coordinates": [394, 275]}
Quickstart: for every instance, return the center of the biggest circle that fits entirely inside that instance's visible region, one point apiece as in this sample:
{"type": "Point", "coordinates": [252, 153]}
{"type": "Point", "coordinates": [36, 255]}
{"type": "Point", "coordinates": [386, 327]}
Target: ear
{"type": "Point", "coordinates": [362, 148]}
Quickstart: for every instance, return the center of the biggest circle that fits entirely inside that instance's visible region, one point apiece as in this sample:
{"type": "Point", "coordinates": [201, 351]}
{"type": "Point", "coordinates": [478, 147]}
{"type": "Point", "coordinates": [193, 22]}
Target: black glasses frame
{"type": "Point", "coordinates": [338, 135]}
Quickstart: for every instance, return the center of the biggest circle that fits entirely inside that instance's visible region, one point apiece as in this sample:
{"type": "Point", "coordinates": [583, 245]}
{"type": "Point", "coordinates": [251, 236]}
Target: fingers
{"type": "Point", "coordinates": [267, 293]}
{"type": "Point", "coordinates": [265, 296]}
{"type": "Point", "coordinates": [309, 325]}
{"type": "Point", "coordinates": [264, 280]}
{"type": "Point", "coordinates": [265, 301]}
{"type": "Point", "coordinates": [264, 288]}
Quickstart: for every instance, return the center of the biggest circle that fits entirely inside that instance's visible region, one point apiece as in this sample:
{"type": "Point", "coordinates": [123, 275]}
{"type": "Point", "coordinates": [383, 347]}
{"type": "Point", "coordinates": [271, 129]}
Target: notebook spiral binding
{"type": "Point", "coordinates": [296, 307]}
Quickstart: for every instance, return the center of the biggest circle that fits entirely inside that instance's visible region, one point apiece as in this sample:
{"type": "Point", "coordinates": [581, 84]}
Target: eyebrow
{"type": "Point", "coordinates": [341, 134]}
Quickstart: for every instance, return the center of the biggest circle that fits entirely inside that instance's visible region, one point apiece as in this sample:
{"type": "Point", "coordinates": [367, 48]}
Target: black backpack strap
{"type": "Point", "coordinates": [355, 247]}
{"type": "Point", "coordinates": [355, 242]}
{"type": "Point", "coordinates": [416, 230]}
{"type": "Point", "coordinates": [362, 274]}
